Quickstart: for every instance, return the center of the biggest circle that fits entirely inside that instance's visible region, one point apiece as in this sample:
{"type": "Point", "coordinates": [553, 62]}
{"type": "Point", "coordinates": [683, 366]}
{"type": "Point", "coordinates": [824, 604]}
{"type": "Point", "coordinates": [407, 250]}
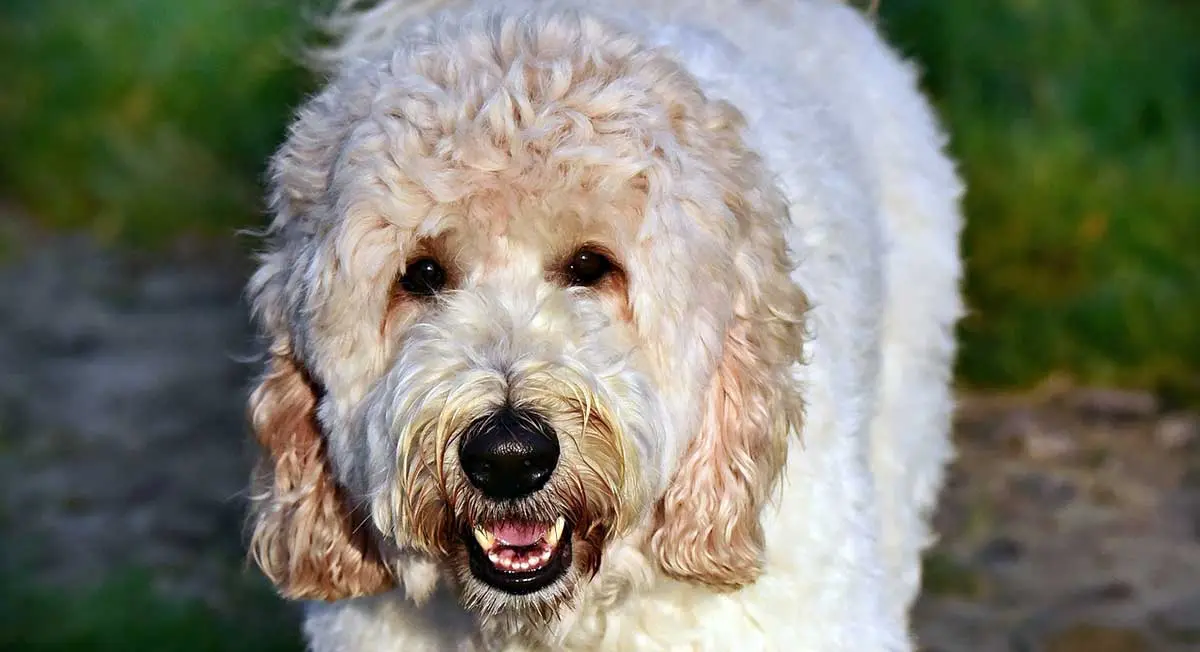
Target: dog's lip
{"type": "Point", "coordinates": [519, 582]}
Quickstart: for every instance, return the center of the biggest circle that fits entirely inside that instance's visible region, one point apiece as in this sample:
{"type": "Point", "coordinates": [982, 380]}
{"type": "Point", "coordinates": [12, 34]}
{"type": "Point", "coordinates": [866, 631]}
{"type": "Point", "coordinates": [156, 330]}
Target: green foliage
{"type": "Point", "coordinates": [1078, 128]}
{"type": "Point", "coordinates": [139, 119]}
{"type": "Point", "coordinates": [126, 613]}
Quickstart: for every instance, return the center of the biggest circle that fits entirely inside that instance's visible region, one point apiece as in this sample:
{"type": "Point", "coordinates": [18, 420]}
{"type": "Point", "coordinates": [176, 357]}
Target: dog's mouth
{"type": "Point", "coordinates": [519, 557]}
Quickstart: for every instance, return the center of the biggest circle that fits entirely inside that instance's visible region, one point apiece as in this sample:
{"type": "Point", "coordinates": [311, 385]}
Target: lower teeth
{"type": "Point", "coordinates": [520, 561]}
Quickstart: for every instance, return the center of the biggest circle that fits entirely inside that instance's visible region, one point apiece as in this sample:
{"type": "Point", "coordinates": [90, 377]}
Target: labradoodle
{"type": "Point", "coordinates": [609, 325]}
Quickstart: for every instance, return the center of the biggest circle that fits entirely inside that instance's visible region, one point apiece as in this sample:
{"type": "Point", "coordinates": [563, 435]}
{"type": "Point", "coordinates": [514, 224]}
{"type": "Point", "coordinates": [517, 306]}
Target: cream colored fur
{"type": "Point", "coordinates": [753, 412]}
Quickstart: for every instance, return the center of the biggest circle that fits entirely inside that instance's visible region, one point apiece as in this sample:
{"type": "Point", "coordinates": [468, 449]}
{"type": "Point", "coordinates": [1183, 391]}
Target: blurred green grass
{"type": "Point", "coordinates": [125, 613]}
{"type": "Point", "coordinates": [1078, 128]}
{"type": "Point", "coordinates": [141, 119]}
{"type": "Point", "coordinates": [127, 609]}
{"type": "Point", "coordinates": [1077, 125]}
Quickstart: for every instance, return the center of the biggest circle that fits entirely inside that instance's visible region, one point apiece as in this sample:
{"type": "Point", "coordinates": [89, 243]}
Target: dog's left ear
{"type": "Point", "coordinates": [707, 527]}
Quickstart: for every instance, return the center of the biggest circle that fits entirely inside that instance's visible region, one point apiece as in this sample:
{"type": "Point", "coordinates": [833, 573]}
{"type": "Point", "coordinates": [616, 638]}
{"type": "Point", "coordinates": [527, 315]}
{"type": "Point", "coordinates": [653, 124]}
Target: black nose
{"type": "Point", "coordinates": [509, 454]}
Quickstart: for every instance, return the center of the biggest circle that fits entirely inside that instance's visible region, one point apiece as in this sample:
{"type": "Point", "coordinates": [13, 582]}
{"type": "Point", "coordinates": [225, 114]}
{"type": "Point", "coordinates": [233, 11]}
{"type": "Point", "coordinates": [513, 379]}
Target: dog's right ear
{"type": "Point", "coordinates": [304, 537]}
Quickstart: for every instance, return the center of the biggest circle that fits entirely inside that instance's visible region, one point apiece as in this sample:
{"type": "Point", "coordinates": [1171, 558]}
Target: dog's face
{"type": "Point", "coordinates": [528, 297]}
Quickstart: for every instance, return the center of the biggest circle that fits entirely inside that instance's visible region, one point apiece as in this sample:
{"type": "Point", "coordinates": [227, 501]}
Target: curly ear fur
{"type": "Point", "coordinates": [709, 529]}
{"type": "Point", "coordinates": [708, 526]}
{"type": "Point", "coordinates": [304, 536]}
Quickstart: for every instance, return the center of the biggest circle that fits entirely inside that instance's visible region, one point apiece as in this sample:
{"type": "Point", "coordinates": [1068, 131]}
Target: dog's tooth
{"type": "Point", "coordinates": [485, 538]}
{"type": "Point", "coordinates": [555, 532]}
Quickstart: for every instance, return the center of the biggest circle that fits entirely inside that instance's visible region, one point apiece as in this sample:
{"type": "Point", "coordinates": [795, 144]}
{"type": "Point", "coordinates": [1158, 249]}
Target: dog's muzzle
{"type": "Point", "coordinates": [509, 455]}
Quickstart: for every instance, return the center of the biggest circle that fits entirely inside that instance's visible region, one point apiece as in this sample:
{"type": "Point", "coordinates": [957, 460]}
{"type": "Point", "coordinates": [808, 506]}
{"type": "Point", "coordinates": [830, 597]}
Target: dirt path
{"type": "Point", "coordinates": [1070, 523]}
{"type": "Point", "coordinates": [121, 437]}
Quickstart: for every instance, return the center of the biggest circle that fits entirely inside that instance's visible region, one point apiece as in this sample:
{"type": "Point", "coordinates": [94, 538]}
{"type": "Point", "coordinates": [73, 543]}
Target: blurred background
{"type": "Point", "coordinates": [133, 136]}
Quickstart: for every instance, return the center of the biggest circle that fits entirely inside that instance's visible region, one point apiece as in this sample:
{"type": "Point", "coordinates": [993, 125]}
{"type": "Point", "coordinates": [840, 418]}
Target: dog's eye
{"type": "Point", "coordinates": [588, 267]}
{"type": "Point", "coordinates": [423, 277]}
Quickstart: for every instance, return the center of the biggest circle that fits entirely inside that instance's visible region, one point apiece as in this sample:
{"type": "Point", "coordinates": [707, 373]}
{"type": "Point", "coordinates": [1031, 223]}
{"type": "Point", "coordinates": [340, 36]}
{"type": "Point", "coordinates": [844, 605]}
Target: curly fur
{"type": "Point", "coordinates": [752, 409]}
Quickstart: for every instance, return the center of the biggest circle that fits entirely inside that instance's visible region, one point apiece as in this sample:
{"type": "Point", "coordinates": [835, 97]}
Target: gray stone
{"type": "Point", "coordinates": [1113, 403]}
{"type": "Point", "coordinates": [1046, 490]}
{"type": "Point", "coordinates": [1177, 431]}
{"type": "Point", "coordinates": [1000, 551]}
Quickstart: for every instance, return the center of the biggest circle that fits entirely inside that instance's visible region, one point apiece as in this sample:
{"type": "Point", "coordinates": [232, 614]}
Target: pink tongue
{"type": "Point", "coordinates": [518, 534]}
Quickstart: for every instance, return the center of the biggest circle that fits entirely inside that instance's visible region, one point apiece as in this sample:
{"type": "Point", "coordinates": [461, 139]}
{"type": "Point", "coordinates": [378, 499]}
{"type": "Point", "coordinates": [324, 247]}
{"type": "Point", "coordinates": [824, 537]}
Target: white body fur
{"type": "Point", "coordinates": [873, 200]}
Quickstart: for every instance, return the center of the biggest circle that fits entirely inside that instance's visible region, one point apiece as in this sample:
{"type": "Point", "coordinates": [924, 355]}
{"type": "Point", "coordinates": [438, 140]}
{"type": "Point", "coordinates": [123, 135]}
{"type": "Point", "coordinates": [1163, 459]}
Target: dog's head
{"type": "Point", "coordinates": [528, 296]}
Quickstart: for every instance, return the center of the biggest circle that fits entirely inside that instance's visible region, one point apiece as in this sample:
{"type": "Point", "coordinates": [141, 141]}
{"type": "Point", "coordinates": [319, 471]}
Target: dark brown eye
{"type": "Point", "coordinates": [423, 277]}
{"type": "Point", "coordinates": [588, 267]}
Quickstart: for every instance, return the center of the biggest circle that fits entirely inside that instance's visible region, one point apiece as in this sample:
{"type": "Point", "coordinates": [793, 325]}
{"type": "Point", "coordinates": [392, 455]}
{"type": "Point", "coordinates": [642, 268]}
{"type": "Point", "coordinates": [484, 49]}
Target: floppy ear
{"type": "Point", "coordinates": [707, 527]}
{"type": "Point", "coordinates": [304, 537]}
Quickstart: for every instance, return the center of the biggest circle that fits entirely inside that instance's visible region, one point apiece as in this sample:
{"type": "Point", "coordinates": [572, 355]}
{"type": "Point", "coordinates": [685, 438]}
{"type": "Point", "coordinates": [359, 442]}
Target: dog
{"type": "Point", "coordinates": [620, 325]}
